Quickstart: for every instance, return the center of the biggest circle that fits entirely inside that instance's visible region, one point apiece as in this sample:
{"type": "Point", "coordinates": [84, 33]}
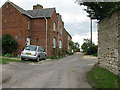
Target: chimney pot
{"type": "Point", "coordinates": [38, 6]}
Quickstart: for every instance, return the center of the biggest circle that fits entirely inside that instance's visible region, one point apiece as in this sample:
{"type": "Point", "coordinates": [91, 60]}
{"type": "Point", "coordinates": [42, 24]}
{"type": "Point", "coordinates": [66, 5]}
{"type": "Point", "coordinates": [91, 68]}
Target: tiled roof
{"type": "Point", "coordinates": [39, 13]}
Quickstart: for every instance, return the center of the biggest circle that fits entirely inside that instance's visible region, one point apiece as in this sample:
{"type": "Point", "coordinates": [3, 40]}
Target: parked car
{"type": "Point", "coordinates": [34, 53]}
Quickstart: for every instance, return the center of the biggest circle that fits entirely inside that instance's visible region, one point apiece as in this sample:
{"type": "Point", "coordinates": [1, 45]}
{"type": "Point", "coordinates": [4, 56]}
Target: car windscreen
{"type": "Point", "coordinates": [31, 48]}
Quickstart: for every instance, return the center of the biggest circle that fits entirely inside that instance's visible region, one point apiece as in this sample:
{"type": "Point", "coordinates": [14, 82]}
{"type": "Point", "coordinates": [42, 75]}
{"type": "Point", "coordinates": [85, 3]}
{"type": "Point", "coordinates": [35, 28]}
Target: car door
{"type": "Point", "coordinates": [43, 53]}
{"type": "Point", "coordinates": [40, 53]}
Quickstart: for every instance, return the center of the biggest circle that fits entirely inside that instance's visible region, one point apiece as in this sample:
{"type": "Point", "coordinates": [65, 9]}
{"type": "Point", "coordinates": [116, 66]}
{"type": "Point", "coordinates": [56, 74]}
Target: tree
{"type": "Point", "coordinates": [99, 10]}
{"type": "Point", "coordinates": [9, 44]}
{"type": "Point", "coordinates": [86, 47]}
{"type": "Point", "coordinates": [74, 46]}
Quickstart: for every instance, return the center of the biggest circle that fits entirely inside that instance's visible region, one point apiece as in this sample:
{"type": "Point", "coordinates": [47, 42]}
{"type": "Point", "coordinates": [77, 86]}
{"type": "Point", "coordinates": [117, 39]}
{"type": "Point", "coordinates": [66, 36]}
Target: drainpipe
{"type": "Point", "coordinates": [58, 34]}
{"type": "Point", "coordinates": [46, 33]}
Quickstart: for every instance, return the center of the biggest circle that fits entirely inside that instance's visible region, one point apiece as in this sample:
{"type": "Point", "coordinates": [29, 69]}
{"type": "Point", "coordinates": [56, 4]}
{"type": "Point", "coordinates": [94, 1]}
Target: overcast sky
{"type": "Point", "coordinates": [75, 19]}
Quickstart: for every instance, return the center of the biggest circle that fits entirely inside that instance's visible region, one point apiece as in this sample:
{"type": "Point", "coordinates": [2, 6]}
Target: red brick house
{"type": "Point", "coordinates": [66, 41]}
{"type": "Point", "coordinates": [39, 26]}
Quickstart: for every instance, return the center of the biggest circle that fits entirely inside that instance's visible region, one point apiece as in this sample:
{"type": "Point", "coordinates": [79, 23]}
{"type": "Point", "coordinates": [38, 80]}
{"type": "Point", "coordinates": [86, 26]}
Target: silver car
{"type": "Point", "coordinates": [34, 53]}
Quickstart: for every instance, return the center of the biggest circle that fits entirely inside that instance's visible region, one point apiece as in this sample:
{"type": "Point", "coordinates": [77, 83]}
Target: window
{"type": "Point", "coordinates": [40, 49]}
{"type": "Point", "coordinates": [16, 37]}
{"type": "Point", "coordinates": [60, 30]}
{"type": "Point", "coordinates": [28, 25]}
{"type": "Point", "coordinates": [7, 6]}
{"type": "Point", "coordinates": [54, 26]}
{"type": "Point", "coordinates": [68, 47]}
{"type": "Point", "coordinates": [54, 41]}
{"type": "Point", "coordinates": [31, 48]}
{"type": "Point", "coordinates": [60, 44]}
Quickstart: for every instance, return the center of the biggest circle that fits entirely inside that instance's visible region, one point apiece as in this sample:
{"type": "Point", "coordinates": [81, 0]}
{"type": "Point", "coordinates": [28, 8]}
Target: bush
{"type": "Point", "coordinates": [9, 55]}
{"type": "Point", "coordinates": [9, 44]}
{"type": "Point", "coordinates": [92, 50]}
{"type": "Point", "coordinates": [95, 54]}
{"type": "Point", "coordinates": [70, 53]}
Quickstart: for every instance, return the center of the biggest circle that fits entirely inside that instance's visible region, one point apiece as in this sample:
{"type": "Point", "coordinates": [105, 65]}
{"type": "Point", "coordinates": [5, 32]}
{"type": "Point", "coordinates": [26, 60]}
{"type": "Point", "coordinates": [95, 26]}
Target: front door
{"type": "Point", "coordinates": [27, 41]}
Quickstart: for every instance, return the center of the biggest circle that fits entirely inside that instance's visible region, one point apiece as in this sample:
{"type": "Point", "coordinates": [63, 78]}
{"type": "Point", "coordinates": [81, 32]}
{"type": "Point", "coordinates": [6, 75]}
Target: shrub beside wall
{"type": "Point", "coordinates": [9, 44]}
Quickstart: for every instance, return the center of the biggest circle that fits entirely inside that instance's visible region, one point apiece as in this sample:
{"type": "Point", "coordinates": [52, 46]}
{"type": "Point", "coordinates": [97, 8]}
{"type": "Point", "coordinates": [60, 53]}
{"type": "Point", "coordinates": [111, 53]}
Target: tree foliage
{"type": "Point", "coordinates": [9, 44]}
{"type": "Point", "coordinates": [86, 47]}
{"type": "Point", "coordinates": [99, 10]}
{"type": "Point", "coordinates": [74, 46]}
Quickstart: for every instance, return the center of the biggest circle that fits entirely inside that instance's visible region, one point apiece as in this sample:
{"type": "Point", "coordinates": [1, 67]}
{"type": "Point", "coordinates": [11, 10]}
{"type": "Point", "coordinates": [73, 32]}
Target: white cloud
{"type": "Point", "coordinates": [80, 38]}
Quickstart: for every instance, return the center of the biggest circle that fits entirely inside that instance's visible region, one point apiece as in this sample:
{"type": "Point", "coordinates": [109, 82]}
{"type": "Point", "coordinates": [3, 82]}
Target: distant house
{"type": "Point", "coordinates": [39, 26]}
{"type": "Point", "coordinates": [66, 41]}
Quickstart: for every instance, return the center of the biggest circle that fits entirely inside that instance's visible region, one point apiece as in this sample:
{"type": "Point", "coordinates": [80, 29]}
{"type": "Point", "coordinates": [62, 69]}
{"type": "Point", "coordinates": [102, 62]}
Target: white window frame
{"type": "Point", "coordinates": [60, 30]}
{"type": "Point", "coordinates": [54, 26]}
{"type": "Point", "coordinates": [54, 42]}
{"type": "Point", "coordinates": [68, 47]}
{"type": "Point", "coordinates": [60, 44]}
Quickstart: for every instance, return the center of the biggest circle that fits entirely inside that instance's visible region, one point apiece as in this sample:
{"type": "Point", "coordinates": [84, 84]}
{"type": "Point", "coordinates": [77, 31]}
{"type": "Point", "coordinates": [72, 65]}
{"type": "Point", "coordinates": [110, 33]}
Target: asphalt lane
{"type": "Point", "coordinates": [67, 72]}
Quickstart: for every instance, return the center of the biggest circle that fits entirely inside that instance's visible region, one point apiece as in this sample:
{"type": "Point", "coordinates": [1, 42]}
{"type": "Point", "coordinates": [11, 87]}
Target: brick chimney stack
{"type": "Point", "coordinates": [38, 6]}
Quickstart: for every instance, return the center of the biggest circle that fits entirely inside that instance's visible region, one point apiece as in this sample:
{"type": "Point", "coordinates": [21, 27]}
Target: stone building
{"type": "Point", "coordinates": [109, 42]}
{"type": "Point", "coordinates": [32, 27]}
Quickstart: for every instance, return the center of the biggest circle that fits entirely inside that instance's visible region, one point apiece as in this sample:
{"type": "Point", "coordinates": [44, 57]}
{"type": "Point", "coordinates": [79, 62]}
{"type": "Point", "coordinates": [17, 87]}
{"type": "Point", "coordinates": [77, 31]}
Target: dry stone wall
{"type": "Point", "coordinates": [109, 42]}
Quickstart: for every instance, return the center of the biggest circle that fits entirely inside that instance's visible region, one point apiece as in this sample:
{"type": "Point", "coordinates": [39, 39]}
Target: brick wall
{"type": "Point", "coordinates": [60, 34]}
{"type": "Point", "coordinates": [69, 39]}
{"type": "Point", "coordinates": [12, 22]}
{"type": "Point", "coordinates": [53, 33]}
{"type": "Point", "coordinates": [65, 40]}
{"type": "Point", "coordinates": [0, 31]}
{"type": "Point", "coordinates": [108, 42]}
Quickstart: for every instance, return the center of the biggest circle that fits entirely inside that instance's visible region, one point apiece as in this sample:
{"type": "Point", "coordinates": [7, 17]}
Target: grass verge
{"type": "Point", "coordinates": [101, 78]}
{"type": "Point", "coordinates": [5, 61]}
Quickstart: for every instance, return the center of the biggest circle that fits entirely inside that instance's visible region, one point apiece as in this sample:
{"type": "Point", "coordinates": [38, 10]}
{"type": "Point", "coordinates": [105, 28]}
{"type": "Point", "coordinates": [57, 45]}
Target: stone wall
{"type": "Point", "coordinates": [108, 42]}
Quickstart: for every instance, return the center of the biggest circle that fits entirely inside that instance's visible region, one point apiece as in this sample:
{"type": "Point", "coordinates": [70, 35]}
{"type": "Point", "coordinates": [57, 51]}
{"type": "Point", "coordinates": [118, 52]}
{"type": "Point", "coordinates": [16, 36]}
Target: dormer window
{"type": "Point", "coordinates": [7, 6]}
{"type": "Point", "coordinates": [28, 25]}
{"type": "Point", "coordinates": [60, 30]}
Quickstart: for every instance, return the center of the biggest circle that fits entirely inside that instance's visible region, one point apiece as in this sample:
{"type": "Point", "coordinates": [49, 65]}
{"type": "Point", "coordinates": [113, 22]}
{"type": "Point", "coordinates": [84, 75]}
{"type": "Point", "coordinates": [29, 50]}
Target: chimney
{"type": "Point", "coordinates": [38, 6]}
{"type": "Point", "coordinates": [57, 13]}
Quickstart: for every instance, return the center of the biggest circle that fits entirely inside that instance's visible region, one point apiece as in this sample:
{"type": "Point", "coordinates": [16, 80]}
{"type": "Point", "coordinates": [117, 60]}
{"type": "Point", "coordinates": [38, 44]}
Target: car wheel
{"type": "Point", "coordinates": [22, 58]}
{"type": "Point", "coordinates": [45, 57]}
{"type": "Point", "coordinates": [38, 59]}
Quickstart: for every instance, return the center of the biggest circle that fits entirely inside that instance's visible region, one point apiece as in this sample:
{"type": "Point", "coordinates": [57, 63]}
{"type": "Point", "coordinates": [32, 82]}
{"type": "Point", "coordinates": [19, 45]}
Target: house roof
{"type": "Point", "coordinates": [39, 13]}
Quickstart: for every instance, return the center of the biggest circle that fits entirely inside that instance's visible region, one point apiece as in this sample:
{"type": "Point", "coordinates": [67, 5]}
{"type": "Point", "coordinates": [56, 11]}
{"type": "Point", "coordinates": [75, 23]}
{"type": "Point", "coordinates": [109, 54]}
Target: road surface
{"type": "Point", "coordinates": [67, 72]}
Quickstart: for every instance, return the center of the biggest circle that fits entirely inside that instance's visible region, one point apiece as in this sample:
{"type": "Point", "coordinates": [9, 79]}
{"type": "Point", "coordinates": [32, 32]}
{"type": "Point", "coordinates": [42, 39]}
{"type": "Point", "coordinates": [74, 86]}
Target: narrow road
{"type": "Point", "coordinates": [68, 72]}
